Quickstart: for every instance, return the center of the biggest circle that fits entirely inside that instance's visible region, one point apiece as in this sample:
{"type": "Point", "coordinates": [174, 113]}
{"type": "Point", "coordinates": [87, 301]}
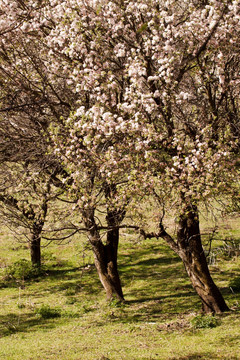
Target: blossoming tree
{"type": "Point", "coordinates": [143, 99]}
{"type": "Point", "coordinates": [44, 96]}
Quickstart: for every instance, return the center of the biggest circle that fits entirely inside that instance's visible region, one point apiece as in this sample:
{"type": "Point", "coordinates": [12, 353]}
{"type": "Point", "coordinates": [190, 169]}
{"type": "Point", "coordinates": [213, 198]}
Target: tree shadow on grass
{"type": "Point", "coordinates": [75, 279]}
{"type": "Point", "coordinates": [13, 323]}
{"type": "Point", "coordinates": [79, 281]}
{"type": "Point", "coordinates": [49, 273]}
{"type": "Point", "coordinates": [161, 260]}
{"type": "Point", "coordinates": [165, 274]}
{"type": "Point", "coordinates": [138, 262]}
{"type": "Point", "coordinates": [155, 285]}
{"type": "Point", "coordinates": [156, 308]}
{"type": "Point", "coordinates": [160, 286]}
{"type": "Point", "coordinates": [194, 356]}
{"type": "Point", "coordinates": [204, 356]}
{"type": "Point", "coordinates": [159, 299]}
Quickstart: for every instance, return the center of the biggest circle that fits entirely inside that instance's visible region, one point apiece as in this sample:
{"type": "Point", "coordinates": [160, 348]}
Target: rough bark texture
{"type": "Point", "coordinates": [105, 263]}
{"type": "Point", "coordinates": [35, 245]}
{"type": "Point", "coordinates": [105, 256]}
{"type": "Point", "coordinates": [111, 250]}
{"type": "Point", "coordinates": [191, 251]}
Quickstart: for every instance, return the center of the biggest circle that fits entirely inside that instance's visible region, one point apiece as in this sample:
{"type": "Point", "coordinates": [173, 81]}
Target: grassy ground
{"type": "Point", "coordinates": [63, 314]}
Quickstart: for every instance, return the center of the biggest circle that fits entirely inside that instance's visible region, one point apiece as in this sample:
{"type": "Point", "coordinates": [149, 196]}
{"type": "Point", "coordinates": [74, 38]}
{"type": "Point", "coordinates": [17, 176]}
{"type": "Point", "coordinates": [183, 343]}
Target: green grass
{"type": "Point", "coordinates": [63, 313]}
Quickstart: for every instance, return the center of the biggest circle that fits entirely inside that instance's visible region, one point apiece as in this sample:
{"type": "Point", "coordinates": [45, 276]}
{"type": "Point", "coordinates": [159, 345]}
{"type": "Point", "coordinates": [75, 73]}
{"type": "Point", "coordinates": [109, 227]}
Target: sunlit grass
{"type": "Point", "coordinates": [154, 323]}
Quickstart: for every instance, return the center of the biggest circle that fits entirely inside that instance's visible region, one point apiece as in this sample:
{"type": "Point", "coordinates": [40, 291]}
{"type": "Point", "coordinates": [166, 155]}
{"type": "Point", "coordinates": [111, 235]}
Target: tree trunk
{"type": "Point", "coordinates": [107, 271]}
{"type": "Point", "coordinates": [35, 246]}
{"type": "Point", "coordinates": [111, 249]}
{"type": "Point", "coordinates": [194, 259]}
{"type": "Point", "coordinates": [105, 257]}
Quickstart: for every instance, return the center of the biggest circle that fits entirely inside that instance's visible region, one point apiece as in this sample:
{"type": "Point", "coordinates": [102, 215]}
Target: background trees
{"type": "Point", "coordinates": [130, 100]}
{"type": "Point", "coordinates": [28, 103]}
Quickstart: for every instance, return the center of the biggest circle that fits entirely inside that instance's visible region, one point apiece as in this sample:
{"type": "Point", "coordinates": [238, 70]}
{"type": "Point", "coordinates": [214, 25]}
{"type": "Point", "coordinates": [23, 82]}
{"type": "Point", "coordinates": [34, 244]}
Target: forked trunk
{"type": "Point", "coordinates": [105, 257]}
{"type": "Point", "coordinates": [111, 249]}
{"type": "Point", "coordinates": [106, 265]}
{"type": "Point", "coordinates": [194, 259]}
{"type": "Point", "coordinates": [111, 256]}
{"type": "Point", "coordinates": [107, 272]}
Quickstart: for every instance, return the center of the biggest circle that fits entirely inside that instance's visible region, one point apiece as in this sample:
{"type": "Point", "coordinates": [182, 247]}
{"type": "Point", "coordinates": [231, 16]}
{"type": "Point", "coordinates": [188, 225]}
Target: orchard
{"type": "Point", "coordinates": [106, 106]}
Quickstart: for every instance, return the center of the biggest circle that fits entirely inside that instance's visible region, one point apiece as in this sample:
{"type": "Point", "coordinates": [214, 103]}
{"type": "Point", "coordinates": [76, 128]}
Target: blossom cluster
{"type": "Point", "coordinates": [151, 88]}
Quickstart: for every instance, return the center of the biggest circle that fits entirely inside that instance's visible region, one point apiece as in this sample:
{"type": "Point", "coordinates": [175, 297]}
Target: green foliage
{"type": "Point", "coordinates": [72, 289]}
{"type": "Point", "coordinates": [21, 270]}
{"type": "Point", "coordinates": [20, 305]}
{"type": "Point", "coordinates": [229, 249]}
{"type": "Point", "coordinates": [142, 28]}
{"type": "Point", "coordinates": [49, 256]}
{"type": "Point", "coordinates": [115, 303]}
{"type": "Point", "coordinates": [204, 322]}
{"type": "Point", "coordinates": [46, 312]}
{"type": "Point", "coordinates": [11, 326]}
{"type": "Point", "coordinates": [70, 292]}
{"type": "Point", "coordinates": [53, 261]}
{"type": "Point", "coordinates": [71, 300]}
{"type": "Point", "coordinates": [70, 314]}
{"type": "Point", "coordinates": [234, 284]}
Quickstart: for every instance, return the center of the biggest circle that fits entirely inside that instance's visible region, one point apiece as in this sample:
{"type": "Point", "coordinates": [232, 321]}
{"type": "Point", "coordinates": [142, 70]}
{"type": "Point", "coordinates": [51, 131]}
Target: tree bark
{"type": "Point", "coordinates": [35, 245]}
{"type": "Point", "coordinates": [192, 254]}
{"type": "Point", "coordinates": [111, 249]}
{"type": "Point", "coordinates": [105, 263]}
{"type": "Point", "coordinates": [105, 257]}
